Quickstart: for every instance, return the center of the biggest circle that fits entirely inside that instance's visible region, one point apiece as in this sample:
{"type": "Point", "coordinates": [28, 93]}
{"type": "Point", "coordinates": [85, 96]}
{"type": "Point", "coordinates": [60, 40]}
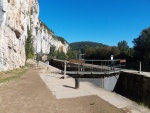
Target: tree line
{"type": "Point", "coordinates": [140, 52]}
{"type": "Point", "coordinates": [92, 50]}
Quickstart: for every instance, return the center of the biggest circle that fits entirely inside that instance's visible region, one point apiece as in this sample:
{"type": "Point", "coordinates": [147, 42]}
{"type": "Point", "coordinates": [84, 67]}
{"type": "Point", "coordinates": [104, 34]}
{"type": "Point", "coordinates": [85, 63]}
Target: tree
{"type": "Point", "coordinates": [60, 55]}
{"type": "Point", "coordinates": [72, 54]}
{"type": "Point", "coordinates": [89, 51]}
{"type": "Point", "coordinates": [115, 51]}
{"type": "Point", "coordinates": [104, 52]}
{"type": "Point", "coordinates": [123, 47]}
{"type": "Point", "coordinates": [29, 50]}
{"type": "Point", "coordinates": [52, 52]}
{"type": "Point", "coordinates": [142, 45]}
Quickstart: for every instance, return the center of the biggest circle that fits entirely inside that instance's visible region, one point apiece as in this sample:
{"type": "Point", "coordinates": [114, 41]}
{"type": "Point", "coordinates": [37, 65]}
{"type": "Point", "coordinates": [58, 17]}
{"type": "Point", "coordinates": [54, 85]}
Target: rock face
{"type": "Point", "coordinates": [44, 38]}
{"type": "Point", "coordinates": [15, 17]}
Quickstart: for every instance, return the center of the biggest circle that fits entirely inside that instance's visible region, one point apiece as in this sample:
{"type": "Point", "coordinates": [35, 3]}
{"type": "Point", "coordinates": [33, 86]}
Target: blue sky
{"type": "Point", "coordinates": [103, 21]}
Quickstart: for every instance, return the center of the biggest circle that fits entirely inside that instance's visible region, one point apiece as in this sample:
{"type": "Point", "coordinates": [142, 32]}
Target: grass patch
{"type": "Point", "coordinates": [142, 104]}
{"type": "Point", "coordinates": [13, 74]}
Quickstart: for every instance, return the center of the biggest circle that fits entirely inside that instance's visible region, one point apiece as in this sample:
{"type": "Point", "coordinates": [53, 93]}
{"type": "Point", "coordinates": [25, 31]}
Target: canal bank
{"type": "Point", "coordinates": [129, 83]}
{"type": "Point", "coordinates": [135, 86]}
{"type": "Point", "coordinates": [65, 88]}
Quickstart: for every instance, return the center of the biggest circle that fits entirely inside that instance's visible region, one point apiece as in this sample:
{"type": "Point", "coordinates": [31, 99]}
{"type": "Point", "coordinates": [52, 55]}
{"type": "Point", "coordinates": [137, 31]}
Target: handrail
{"type": "Point", "coordinates": [101, 66]}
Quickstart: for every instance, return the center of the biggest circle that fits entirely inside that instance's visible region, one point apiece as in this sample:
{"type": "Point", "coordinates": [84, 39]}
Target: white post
{"type": "Point", "coordinates": [140, 68]}
{"type": "Point", "coordinates": [112, 65]}
{"type": "Point", "coordinates": [111, 57]}
{"type": "Point", "coordinates": [64, 69]}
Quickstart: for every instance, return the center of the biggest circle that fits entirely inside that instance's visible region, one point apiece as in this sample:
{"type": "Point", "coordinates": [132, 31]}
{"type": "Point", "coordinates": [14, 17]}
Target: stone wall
{"type": "Point", "coordinates": [135, 87]}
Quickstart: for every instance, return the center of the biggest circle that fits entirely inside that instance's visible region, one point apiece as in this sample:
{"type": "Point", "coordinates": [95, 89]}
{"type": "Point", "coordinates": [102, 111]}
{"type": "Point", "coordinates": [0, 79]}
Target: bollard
{"type": "Point", "coordinates": [140, 68]}
{"type": "Point", "coordinates": [76, 83]}
{"type": "Point", "coordinates": [65, 70]}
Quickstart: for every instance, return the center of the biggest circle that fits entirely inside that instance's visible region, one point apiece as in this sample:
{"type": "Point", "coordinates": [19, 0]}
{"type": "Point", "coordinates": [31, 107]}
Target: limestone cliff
{"type": "Point", "coordinates": [44, 38]}
{"type": "Point", "coordinates": [15, 17]}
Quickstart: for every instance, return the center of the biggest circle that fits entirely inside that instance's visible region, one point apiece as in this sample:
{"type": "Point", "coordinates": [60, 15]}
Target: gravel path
{"type": "Point", "coordinates": [29, 94]}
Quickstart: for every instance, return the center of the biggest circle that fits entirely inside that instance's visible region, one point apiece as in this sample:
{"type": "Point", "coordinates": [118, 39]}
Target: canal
{"type": "Point", "coordinates": [132, 85]}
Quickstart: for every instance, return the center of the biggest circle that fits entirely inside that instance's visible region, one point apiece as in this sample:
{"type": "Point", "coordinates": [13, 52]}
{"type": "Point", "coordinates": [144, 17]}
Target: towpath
{"type": "Point", "coordinates": [29, 94]}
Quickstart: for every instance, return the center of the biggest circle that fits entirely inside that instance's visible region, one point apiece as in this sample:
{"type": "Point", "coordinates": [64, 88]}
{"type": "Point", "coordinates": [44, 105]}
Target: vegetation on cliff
{"type": "Point", "coordinates": [29, 49]}
{"type": "Point", "coordinates": [45, 27]}
{"type": "Point", "coordinates": [59, 38]}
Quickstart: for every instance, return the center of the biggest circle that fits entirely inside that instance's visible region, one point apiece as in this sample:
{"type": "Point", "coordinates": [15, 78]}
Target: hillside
{"type": "Point", "coordinates": [82, 45]}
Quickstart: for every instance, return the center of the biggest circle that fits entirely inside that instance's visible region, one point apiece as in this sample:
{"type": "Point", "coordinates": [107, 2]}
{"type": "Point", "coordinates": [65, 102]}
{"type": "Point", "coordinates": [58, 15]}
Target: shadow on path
{"type": "Point", "coordinates": [69, 86]}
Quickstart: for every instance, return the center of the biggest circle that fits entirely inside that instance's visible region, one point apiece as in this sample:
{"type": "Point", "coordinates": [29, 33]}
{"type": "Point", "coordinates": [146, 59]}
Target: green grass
{"type": "Point", "coordinates": [8, 79]}
{"type": "Point", "coordinates": [142, 104]}
{"type": "Point", "coordinates": [13, 74]}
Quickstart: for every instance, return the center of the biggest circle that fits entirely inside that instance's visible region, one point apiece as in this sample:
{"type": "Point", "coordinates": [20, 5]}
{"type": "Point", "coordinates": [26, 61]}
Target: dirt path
{"type": "Point", "coordinates": [29, 94]}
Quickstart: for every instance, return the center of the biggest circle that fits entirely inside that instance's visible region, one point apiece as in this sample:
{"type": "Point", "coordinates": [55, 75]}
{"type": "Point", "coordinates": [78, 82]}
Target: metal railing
{"type": "Point", "coordinates": [94, 66]}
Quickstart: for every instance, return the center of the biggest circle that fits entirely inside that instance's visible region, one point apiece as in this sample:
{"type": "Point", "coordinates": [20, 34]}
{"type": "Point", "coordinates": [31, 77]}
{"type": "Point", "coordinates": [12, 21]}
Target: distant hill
{"type": "Point", "coordinates": [82, 45]}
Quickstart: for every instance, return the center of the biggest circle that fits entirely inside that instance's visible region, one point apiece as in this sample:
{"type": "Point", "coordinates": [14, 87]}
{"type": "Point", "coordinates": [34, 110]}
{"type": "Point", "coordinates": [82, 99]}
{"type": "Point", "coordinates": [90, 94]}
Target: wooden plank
{"type": "Point", "coordinates": [122, 61]}
{"type": "Point", "coordinates": [76, 61]}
